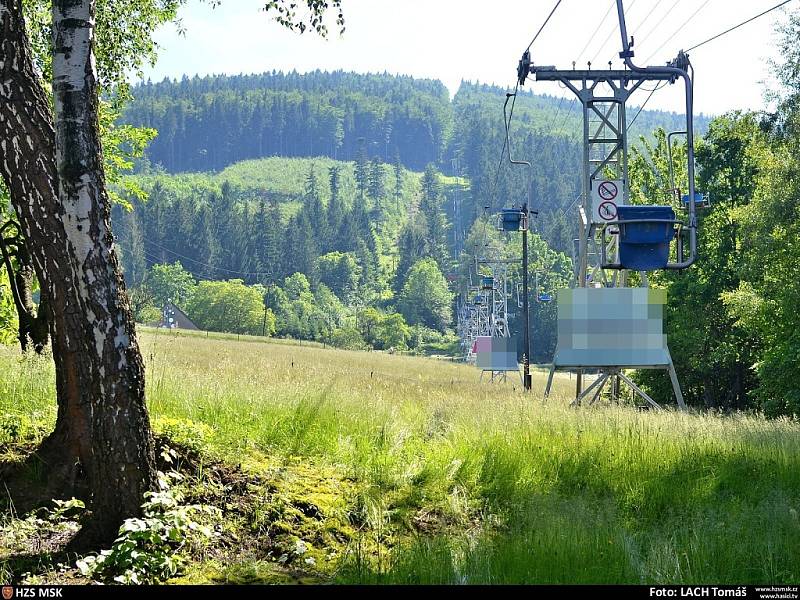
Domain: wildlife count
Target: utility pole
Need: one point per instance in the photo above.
(526, 360)
(524, 223)
(264, 322)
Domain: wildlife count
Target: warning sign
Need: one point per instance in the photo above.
(606, 196)
(607, 210)
(608, 190)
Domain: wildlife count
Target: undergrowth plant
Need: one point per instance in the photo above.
(156, 546)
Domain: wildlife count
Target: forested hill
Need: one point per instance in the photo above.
(208, 123)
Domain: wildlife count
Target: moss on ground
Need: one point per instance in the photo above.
(283, 520)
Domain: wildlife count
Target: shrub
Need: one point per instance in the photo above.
(154, 547)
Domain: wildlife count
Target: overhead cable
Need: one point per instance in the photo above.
(543, 25)
(613, 31)
(739, 25)
(641, 108)
(599, 25)
(679, 29)
(198, 262)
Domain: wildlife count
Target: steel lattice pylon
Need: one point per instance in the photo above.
(483, 309)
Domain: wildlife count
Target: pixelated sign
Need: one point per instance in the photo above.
(496, 354)
(599, 327)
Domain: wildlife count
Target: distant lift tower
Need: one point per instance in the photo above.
(496, 353)
(483, 319)
(602, 329)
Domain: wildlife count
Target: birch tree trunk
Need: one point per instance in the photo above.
(57, 186)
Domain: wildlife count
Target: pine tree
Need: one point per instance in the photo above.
(398, 180)
(274, 261)
(156, 223)
(361, 171)
(335, 212)
(349, 233)
(133, 255)
(368, 261)
(435, 219)
(376, 183)
(303, 248)
(241, 242)
(412, 246)
(260, 236)
(312, 206)
(559, 234)
(208, 247)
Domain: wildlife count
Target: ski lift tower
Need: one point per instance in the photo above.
(604, 326)
(494, 288)
(496, 351)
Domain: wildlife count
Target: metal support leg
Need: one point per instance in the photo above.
(638, 390)
(676, 386)
(586, 392)
(599, 390)
(549, 381)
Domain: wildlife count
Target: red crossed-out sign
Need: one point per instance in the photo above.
(608, 190)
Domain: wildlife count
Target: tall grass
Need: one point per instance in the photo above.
(479, 482)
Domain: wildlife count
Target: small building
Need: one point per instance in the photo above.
(173, 317)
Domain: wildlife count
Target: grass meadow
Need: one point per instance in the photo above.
(426, 475)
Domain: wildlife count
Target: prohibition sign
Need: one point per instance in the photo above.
(607, 210)
(607, 190)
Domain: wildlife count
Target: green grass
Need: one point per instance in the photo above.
(457, 481)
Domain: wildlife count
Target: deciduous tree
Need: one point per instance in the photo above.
(52, 164)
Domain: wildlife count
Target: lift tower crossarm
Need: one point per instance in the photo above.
(508, 261)
(550, 73)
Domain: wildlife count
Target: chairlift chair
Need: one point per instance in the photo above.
(510, 219)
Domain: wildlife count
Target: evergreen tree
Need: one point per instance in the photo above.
(398, 180)
(335, 210)
(559, 234)
(362, 172)
(275, 262)
(242, 257)
(207, 246)
(412, 246)
(260, 235)
(376, 180)
(314, 210)
(155, 220)
(368, 261)
(133, 255)
(435, 219)
(349, 234)
(302, 248)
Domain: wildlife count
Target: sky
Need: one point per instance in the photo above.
(482, 40)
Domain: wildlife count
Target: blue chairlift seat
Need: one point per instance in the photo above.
(645, 246)
(699, 199)
(543, 297)
(510, 220)
(487, 283)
